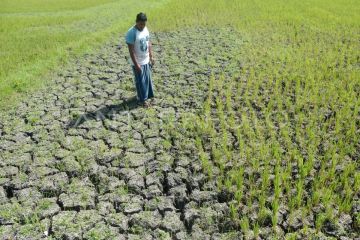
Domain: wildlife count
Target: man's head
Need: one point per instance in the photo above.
(141, 21)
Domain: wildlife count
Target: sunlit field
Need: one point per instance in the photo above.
(39, 36)
(258, 110)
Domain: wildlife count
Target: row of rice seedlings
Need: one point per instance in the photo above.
(244, 129)
(276, 153)
(243, 132)
(229, 105)
(220, 149)
(204, 158)
(207, 104)
(240, 129)
(235, 180)
(205, 128)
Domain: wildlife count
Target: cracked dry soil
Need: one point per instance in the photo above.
(82, 161)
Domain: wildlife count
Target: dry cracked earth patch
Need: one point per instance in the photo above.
(82, 161)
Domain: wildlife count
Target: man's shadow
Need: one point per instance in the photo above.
(105, 112)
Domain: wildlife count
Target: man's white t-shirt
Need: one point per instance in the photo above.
(140, 40)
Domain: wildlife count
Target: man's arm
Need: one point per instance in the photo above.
(132, 55)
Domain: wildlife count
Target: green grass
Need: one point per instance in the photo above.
(38, 36)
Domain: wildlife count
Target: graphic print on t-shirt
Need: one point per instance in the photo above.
(143, 44)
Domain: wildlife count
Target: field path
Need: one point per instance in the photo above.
(82, 161)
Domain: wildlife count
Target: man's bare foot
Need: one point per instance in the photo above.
(147, 104)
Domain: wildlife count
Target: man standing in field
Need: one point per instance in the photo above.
(138, 41)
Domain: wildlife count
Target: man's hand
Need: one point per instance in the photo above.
(138, 68)
(152, 61)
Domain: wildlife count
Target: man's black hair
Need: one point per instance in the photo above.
(141, 17)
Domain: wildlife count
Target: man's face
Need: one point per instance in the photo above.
(140, 25)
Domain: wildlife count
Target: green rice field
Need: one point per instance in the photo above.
(254, 132)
